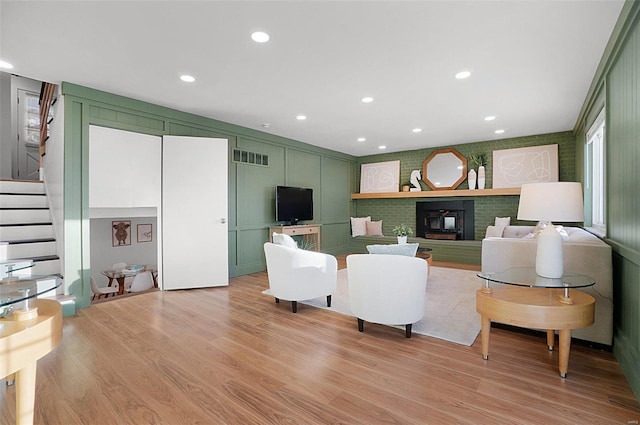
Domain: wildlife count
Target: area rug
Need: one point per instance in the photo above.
(450, 310)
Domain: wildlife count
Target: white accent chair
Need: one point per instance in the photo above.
(298, 275)
(387, 289)
(102, 290)
(142, 281)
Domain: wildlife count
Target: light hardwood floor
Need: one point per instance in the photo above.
(233, 356)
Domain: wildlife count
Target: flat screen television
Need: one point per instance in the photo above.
(294, 204)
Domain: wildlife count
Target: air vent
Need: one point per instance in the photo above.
(247, 157)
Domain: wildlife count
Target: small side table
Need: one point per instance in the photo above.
(425, 254)
(531, 301)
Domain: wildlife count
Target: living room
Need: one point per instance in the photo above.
(334, 176)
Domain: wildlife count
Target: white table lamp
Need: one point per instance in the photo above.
(544, 202)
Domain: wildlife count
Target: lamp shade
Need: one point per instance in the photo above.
(552, 201)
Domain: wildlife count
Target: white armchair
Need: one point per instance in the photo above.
(297, 274)
(387, 289)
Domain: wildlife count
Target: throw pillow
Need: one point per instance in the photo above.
(494, 231)
(503, 221)
(359, 226)
(374, 228)
(408, 249)
(286, 240)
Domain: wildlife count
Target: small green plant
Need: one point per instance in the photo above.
(402, 230)
(306, 245)
(478, 159)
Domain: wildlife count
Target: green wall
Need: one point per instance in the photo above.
(251, 187)
(396, 211)
(616, 87)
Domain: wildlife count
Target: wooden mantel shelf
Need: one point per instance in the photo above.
(439, 193)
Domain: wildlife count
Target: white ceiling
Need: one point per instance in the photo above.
(532, 63)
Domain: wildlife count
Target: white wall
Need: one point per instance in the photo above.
(54, 175)
(104, 255)
(124, 169)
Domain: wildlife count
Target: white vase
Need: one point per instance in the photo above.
(481, 177)
(402, 239)
(471, 176)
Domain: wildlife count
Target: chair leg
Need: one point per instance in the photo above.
(328, 300)
(294, 306)
(408, 331)
(277, 300)
(360, 325)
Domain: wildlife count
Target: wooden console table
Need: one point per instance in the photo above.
(310, 233)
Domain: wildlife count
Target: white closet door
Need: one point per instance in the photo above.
(194, 212)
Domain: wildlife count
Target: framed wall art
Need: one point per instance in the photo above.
(121, 233)
(380, 177)
(535, 164)
(145, 233)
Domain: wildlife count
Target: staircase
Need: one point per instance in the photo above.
(27, 231)
(25, 224)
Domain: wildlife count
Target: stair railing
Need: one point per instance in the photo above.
(47, 92)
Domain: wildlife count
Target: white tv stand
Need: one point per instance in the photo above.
(310, 233)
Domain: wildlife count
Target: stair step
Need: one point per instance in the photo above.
(31, 249)
(45, 258)
(18, 231)
(24, 241)
(23, 200)
(21, 186)
(13, 216)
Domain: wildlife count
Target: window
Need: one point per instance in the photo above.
(595, 169)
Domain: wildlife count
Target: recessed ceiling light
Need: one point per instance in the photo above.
(417, 130)
(301, 117)
(260, 37)
(382, 147)
(489, 118)
(5, 65)
(462, 75)
(266, 125)
(499, 131)
(187, 78)
(367, 99)
(362, 139)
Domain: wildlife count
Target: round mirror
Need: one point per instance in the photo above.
(444, 169)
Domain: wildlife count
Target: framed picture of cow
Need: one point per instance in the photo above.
(121, 233)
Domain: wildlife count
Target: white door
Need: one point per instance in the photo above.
(28, 136)
(194, 212)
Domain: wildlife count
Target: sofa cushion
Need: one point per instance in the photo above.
(286, 240)
(408, 249)
(502, 221)
(374, 228)
(359, 226)
(494, 231)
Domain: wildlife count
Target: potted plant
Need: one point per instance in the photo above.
(402, 231)
(406, 186)
(479, 159)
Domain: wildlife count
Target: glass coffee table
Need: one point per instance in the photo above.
(527, 300)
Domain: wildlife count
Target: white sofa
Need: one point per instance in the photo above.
(583, 253)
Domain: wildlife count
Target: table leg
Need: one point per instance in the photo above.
(564, 347)
(486, 329)
(551, 336)
(25, 394)
(120, 285)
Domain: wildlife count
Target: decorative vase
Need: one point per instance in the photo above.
(406, 188)
(402, 239)
(472, 179)
(481, 177)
